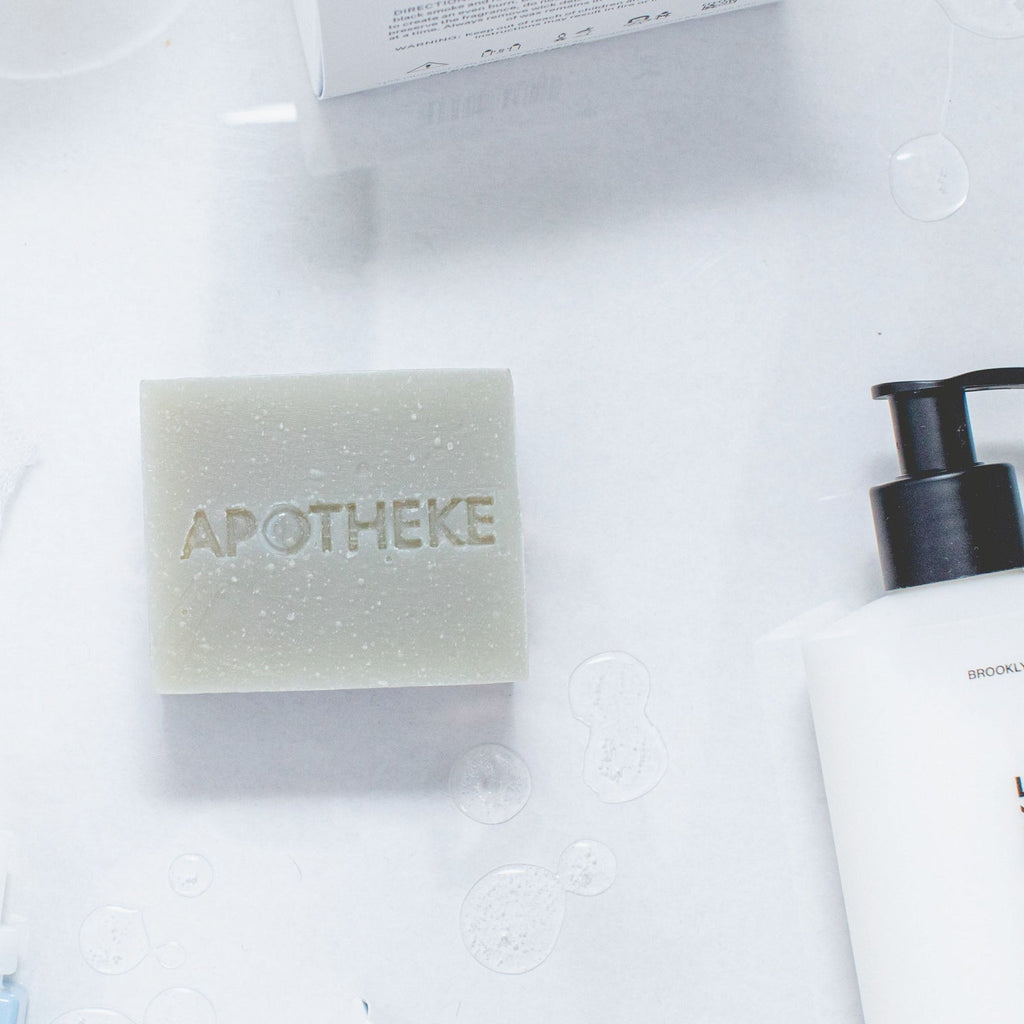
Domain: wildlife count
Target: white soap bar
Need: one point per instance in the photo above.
(333, 531)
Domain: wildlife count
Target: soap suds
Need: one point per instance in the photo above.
(114, 940)
(511, 918)
(490, 783)
(586, 868)
(625, 756)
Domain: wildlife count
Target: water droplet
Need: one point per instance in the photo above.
(511, 918)
(450, 446)
(625, 756)
(586, 867)
(316, 474)
(55, 38)
(113, 940)
(929, 178)
(997, 19)
(490, 783)
(92, 1016)
(191, 874)
(171, 955)
(180, 1006)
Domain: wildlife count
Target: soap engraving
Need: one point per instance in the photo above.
(200, 535)
(462, 521)
(241, 525)
(438, 522)
(378, 524)
(403, 522)
(324, 510)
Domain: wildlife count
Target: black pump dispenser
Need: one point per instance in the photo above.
(948, 516)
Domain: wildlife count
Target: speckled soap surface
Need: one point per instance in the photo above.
(333, 531)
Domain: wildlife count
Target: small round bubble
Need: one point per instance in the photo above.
(180, 1006)
(490, 783)
(586, 868)
(190, 875)
(928, 177)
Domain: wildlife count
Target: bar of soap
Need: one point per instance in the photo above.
(333, 531)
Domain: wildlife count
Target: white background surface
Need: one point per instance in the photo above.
(684, 245)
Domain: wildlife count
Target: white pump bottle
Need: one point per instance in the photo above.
(918, 704)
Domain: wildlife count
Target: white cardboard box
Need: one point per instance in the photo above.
(352, 45)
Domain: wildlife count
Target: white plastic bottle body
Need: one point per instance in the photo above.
(918, 704)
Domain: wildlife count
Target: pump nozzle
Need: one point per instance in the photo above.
(8, 934)
(948, 516)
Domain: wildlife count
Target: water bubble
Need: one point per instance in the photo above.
(113, 940)
(55, 38)
(586, 867)
(180, 1006)
(190, 875)
(511, 918)
(490, 783)
(171, 955)
(286, 529)
(997, 19)
(92, 1016)
(929, 178)
(625, 756)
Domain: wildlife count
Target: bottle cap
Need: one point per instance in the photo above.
(948, 516)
